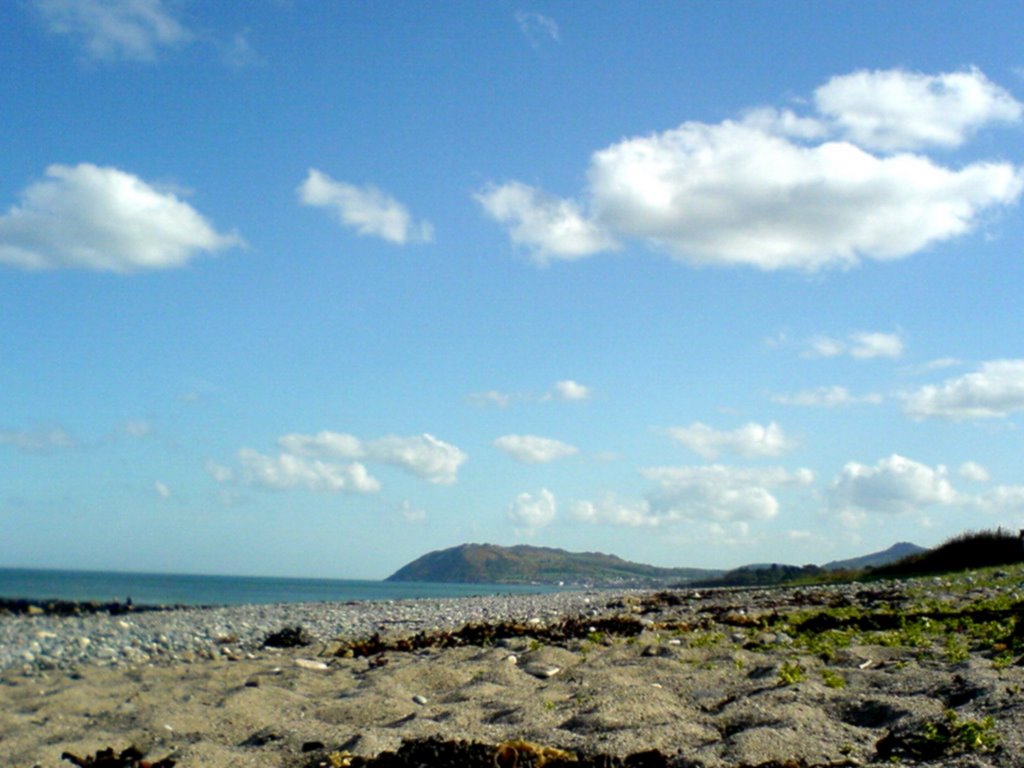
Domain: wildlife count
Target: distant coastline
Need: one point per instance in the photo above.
(199, 590)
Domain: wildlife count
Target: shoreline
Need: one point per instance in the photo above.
(924, 671)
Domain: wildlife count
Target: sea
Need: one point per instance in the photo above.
(195, 590)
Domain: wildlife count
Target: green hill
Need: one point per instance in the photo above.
(523, 564)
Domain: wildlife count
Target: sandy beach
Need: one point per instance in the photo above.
(916, 672)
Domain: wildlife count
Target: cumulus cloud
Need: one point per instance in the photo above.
(337, 445)
(42, 440)
(101, 218)
(336, 461)
(570, 390)
(529, 512)
(720, 493)
(827, 397)
(531, 449)
(766, 191)
(115, 29)
(994, 391)
(423, 455)
(863, 345)
(751, 439)
(894, 110)
(715, 494)
(971, 470)
(286, 471)
(551, 228)
(367, 210)
(612, 510)
(893, 485)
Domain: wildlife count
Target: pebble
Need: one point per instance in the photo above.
(542, 671)
(36, 642)
(421, 700)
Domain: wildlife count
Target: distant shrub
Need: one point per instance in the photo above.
(971, 549)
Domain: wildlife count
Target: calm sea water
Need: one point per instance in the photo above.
(173, 589)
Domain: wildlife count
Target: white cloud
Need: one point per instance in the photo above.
(528, 512)
(932, 365)
(863, 345)
(115, 29)
(366, 209)
(611, 510)
(566, 390)
(1001, 500)
(219, 472)
(973, 471)
(287, 470)
(570, 390)
(537, 28)
(827, 397)
(411, 513)
(758, 192)
(892, 110)
(824, 346)
(43, 440)
(550, 227)
(491, 397)
(92, 217)
(749, 440)
(994, 391)
(336, 445)
(719, 493)
(162, 490)
(715, 494)
(531, 449)
(423, 455)
(893, 485)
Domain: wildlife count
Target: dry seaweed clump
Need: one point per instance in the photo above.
(483, 634)
(126, 758)
(438, 753)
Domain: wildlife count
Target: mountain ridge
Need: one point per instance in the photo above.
(472, 563)
(524, 564)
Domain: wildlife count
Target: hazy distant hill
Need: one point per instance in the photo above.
(760, 574)
(891, 555)
(491, 564)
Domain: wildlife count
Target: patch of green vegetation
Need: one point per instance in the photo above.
(791, 673)
(956, 649)
(597, 638)
(825, 644)
(833, 679)
(954, 735)
(1003, 661)
(704, 639)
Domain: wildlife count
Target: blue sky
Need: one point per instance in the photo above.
(297, 288)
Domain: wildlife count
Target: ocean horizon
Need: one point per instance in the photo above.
(200, 590)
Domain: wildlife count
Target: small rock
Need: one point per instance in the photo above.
(311, 664)
(542, 671)
(421, 700)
